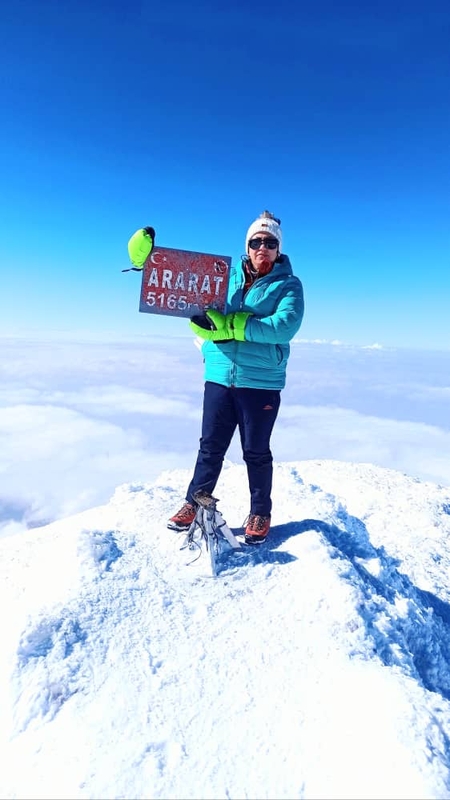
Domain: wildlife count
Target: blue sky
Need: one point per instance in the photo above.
(194, 118)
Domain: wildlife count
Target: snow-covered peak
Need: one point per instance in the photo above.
(315, 665)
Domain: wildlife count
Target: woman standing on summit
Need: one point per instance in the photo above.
(245, 354)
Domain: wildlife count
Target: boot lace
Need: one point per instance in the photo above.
(186, 511)
(257, 523)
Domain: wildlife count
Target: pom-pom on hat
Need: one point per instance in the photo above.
(266, 223)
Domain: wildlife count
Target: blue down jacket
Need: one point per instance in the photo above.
(276, 304)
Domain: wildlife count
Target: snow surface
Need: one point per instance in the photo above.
(313, 666)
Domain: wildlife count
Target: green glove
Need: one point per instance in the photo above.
(140, 246)
(221, 326)
(239, 322)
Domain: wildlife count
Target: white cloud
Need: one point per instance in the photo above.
(55, 461)
(79, 418)
(108, 399)
(337, 433)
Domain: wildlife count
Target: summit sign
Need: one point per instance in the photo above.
(183, 283)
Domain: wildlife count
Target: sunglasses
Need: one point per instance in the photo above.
(255, 244)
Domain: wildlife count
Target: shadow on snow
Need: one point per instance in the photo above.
(409, 627)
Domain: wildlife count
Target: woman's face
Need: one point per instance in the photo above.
(262, 258)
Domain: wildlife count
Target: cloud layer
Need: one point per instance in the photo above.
(80, 418)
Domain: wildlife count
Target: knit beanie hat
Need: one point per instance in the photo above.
(266, 223)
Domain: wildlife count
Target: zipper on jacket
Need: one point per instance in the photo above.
(233, 376)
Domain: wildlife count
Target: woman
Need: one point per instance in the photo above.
(245, 354)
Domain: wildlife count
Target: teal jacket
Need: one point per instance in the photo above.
(276, 304)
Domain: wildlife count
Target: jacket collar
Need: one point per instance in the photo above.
(282, 267)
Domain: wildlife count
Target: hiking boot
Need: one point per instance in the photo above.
(257, 529)
(183, 519)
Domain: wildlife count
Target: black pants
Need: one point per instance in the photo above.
(254, 412)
